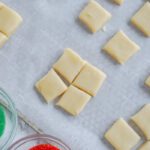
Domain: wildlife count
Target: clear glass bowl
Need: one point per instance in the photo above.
(11, 120)
(33, 140)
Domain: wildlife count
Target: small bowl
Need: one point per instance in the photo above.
(33, 140)
(11, 120)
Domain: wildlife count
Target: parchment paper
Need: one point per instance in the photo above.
(50, 26)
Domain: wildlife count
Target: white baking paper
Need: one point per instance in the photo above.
(49, 26)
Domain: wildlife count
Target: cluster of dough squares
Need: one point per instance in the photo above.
(123, 137)
(84, 80)
(9, 21)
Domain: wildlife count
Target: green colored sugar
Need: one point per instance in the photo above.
(2, 120)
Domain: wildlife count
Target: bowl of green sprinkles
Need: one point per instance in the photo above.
(8, 120)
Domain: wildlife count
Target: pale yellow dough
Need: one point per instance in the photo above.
(142, 120)
(142, 19)
(69, 65)
(90, 79)
(145, 146)
(94, 16)
(122, 136)
(120, 47)
(51, 86)
(74, 100)
(147, 81)
(119, 2)
(9, 20)
(3, 39)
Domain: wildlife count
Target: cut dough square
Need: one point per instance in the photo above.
(74, 100)
(120, 47)
(145, 146)
(142, 120)
(94, 16)
(142, 19)
(3, 39)
(9, 19)
(122, 136)
(147, 82)
(90, 79)
(51, 86)
(119, 2)
(69, 65)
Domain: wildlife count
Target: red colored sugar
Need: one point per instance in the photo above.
(44, 147)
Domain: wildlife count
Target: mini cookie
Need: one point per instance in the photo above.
(147, 81)
(94, 16)
(90, 79)
(51, 86)
(119, 2)
(74, 100)
(120, 47)
(121, 136)
(69, 65)
(9, 20)
(142, 19)
(142, 120)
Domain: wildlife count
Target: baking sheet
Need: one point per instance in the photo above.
(50, 26)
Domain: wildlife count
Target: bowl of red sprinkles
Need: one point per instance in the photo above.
(39, 142)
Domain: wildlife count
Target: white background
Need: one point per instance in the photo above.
(50, 26)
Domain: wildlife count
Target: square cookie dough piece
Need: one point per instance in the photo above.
(9, 20)
(74, 100)
(142, 120)
(90, 79)
(51, 86)
(121, 136)
(142, 19)
(145, 146)
(119, 2)
(3, 39)
(69, 65)
(120, 47)
(147, 81)
(94, 16)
